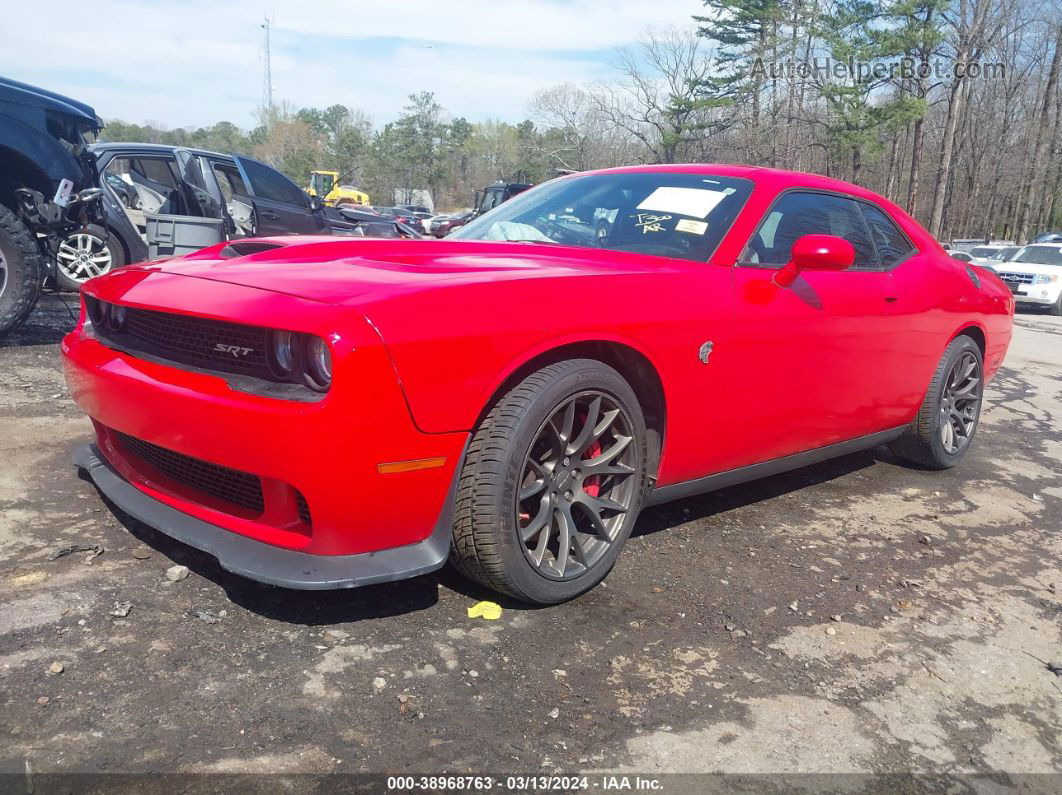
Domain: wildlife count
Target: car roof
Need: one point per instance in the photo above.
(778, 177)
(1041, 245)
(160, 149)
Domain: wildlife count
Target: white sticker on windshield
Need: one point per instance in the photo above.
(693, 227)
(695, 202)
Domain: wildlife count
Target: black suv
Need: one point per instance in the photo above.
(49, 188)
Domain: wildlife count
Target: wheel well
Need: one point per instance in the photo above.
(112, 232)
(978, 336)
(16, 171)
(635, 368)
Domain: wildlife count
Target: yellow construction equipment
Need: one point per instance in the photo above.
(326, 185)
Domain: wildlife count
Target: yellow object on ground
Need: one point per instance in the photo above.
(489, 610)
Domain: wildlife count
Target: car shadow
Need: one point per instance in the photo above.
(705, 506)
(310, 608)
(322, 608)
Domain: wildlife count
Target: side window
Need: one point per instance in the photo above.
(800, 213)
(891, 243)
(230, 181)
(268, 183)
(152, 181)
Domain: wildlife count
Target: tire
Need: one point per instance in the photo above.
(103, 248)
(21, 271)
(1056, 307)
(952, 398)
(510, 444)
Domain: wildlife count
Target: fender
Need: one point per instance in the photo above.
(546, 346)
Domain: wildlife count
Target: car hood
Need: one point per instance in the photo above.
(338, 270)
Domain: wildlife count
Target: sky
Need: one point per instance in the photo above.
(188, 63)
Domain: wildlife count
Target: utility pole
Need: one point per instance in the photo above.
(267, 87)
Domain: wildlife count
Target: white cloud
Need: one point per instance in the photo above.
(199, 62)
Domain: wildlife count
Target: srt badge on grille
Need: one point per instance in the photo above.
(235, 350)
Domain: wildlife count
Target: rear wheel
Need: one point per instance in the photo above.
(21, 270)
(947, 421)
(552, 484)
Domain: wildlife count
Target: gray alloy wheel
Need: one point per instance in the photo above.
(577, 483)
(960, 403)
(551, 484)
(947, 420)
(82, 255)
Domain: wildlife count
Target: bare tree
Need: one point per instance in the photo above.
(665, 103)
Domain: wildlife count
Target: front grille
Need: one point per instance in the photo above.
(231, 485)
(1021, 278)
(200, 342)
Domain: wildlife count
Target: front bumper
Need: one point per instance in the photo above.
(331, 474)
(1039, 294)
(265, 562)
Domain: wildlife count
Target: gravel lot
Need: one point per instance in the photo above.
(856, 616)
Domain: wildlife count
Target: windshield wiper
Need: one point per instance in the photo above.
(533, 240)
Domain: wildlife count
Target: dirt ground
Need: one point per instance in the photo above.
(853, 617)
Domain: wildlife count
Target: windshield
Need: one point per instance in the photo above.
(983, 251)
(1040, 255)
(661, 214)
(1005, 254)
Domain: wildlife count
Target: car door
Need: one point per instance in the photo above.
(281, 207)
(817, 357)
(239, 203)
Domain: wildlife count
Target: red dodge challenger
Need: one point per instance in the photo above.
(319, 413)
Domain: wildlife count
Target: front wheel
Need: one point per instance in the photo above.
(552, 484)
(944, 428)
(86, 253)
(21, 270)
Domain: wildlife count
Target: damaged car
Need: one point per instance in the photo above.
(48, 190)
(178, 200)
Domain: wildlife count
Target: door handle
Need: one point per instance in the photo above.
(271, 216)
(890, 299)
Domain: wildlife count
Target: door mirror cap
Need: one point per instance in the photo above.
(816, 253)
(316, 203)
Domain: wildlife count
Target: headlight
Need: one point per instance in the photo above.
(1045, 278)
(115, 317)
(94, 308)
(282, 352)
(318, 363)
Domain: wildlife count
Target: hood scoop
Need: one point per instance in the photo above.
(243, 248)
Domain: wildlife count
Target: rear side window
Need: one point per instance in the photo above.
(891, 243)
(800, 213)
(270, 184)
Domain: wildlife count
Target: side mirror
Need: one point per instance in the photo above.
(816, 253)
(316, 203)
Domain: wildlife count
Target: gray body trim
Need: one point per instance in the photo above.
(265, 562)
(775, 466)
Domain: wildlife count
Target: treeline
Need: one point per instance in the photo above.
(951, 108)
(423, 148)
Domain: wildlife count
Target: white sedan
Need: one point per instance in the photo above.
(1034, 275)
(992, 256)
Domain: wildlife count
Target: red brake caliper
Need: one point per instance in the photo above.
(592, 484)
